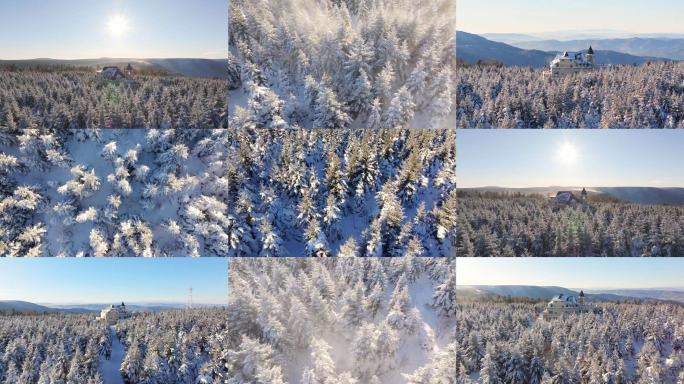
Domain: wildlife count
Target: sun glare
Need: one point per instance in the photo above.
(118, 25)
(567, 153)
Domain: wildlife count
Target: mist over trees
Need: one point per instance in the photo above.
(504, 225)
(340, 64)
(340, 321)
(627, 343)
(83, 99)
(198, 192)
(645, 96)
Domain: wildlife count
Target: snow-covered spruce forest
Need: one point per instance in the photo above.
(500, 342)
(78, 98)
(504, 225)
(340, 321)
(199, 192)
(341, 63)
(174, 347)
(646, 96)
(177, 346)
(52, 349)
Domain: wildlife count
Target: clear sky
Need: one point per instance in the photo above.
(79, 29)
(570, 157)
(530, 16)
(584, 272)
(83, 281)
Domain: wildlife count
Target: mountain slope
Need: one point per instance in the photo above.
(471, 48)
(23, 306)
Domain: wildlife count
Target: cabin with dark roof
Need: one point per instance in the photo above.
(566, 198)
(112, 73)
(561, 305)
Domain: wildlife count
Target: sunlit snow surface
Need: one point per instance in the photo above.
(110, 367)
(178, 192)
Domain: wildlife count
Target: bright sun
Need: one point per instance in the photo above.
(567, 153)
(118, 25)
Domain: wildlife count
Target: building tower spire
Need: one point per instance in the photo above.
(590, 55)
(189, 304)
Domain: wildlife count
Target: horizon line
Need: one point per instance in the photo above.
(137, 302)
(114, 58)
(567, 186)
(560, 286)
(575, 30)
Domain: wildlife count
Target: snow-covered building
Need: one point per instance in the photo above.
(112, 73)
(562, 305)
(114, 313)
(566, 198)
(572, 62)
(570, 199)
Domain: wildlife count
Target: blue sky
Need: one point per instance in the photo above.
(587, 272)
(105, 280)
(575, 157)
(529, 16)
(76, 29)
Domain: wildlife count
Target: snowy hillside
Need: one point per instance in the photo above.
(175, 347)
(195, 192)
(76, 98)
(341, 321)
(625, 343)
(52, 349)
(491, 224)
(644, 96)
(339, 64)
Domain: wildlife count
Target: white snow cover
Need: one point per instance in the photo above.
(221, 192)
(110, 367)
(504, 340)
(342, 320)
(507, 225)
(341, 64)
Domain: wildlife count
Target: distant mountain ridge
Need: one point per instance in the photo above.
(670, 48)
(640, 195)
(547, 292)
(471, 48)
(191, 67)
(25, 306)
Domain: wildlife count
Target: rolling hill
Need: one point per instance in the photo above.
(471, 48)
(25, 306)
(204, 68)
